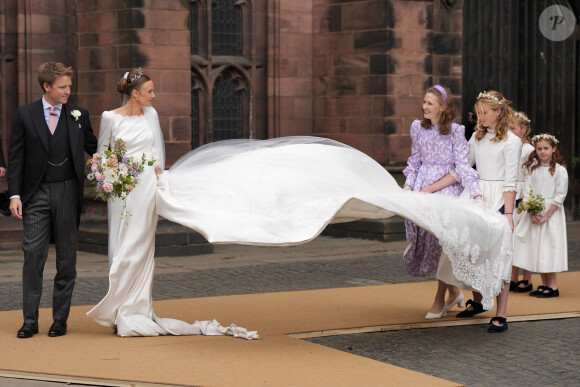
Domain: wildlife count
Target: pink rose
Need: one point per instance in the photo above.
(94, 168)
(129, 187)
(99, 176)
(108, 187)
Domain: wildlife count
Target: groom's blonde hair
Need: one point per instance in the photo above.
(49, 72)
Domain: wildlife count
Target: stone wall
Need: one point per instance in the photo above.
(31, 32)
(290, 67)
(115, 36)
(373, 61)
(353, 70)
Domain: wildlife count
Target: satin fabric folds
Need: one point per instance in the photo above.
(285, 191)
(128, 305)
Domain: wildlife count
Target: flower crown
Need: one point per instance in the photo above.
(483, 94)
(522, 117)
(544, 136)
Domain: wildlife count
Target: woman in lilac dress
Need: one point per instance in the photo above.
(439, 151)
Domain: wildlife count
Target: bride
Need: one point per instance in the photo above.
(128, 305)
(281, 191)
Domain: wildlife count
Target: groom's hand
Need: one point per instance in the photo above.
(16, 207)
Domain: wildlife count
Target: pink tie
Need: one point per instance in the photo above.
(52, 119)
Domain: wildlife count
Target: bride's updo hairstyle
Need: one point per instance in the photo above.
(133, 80)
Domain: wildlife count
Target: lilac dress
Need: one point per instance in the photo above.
(433, 155)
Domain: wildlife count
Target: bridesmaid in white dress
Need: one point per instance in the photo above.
(540, 242)
(521, 127)
(128, 305)
(496, 153)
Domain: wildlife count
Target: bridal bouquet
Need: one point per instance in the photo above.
(533, 204)
(115, 175)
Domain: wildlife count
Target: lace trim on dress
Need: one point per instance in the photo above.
(480, 268)
(509, 189)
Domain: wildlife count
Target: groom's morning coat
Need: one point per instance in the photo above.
(28, 155)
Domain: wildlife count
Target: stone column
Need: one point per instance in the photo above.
(290, 73)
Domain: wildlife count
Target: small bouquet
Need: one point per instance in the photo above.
(114, 174)
(533, 204)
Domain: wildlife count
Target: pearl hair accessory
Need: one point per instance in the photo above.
(134, 77)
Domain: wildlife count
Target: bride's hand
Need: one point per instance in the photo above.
(158, 172)
(407, 188)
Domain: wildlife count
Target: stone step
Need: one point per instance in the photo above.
(172, 240)
(386, 230)
(175, 240)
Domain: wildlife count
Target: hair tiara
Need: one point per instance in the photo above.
(544, 136)
(441, 90)
(486, 95)
(522, 117)
(138, 75)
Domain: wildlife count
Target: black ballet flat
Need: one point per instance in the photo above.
(549, 293)
(538, 291)
(477, 309)
(522, 289)
(497, 328)
(513, 286)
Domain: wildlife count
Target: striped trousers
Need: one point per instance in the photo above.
(50, 212)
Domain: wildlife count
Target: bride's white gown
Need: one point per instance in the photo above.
(281, 191)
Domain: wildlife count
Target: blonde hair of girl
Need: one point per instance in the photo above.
(524, 121)
(495, 101)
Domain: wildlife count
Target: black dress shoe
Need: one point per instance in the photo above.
(27, 330)
(58, 328)
(477, 309)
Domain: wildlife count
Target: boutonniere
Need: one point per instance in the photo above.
(76, 114)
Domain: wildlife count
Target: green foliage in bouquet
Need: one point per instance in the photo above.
(533, 203)
(115, 175)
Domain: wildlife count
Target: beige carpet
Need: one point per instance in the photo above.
(91, 351)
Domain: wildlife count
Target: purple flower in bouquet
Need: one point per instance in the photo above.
(113, 178)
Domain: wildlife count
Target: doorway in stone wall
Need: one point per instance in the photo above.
(505, 48)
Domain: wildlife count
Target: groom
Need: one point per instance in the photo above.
(45, 184)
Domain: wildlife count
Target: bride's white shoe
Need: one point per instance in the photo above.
(459, 300)
(430, 316)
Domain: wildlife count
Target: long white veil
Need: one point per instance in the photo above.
(285, 191)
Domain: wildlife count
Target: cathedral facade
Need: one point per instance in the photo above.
(354, 71)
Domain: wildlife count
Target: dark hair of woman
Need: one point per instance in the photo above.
(132, 81)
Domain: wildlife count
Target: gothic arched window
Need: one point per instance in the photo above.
(226, 27)
(227, 108)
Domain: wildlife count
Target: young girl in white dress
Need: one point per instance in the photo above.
(540, 240)
(496, 153)
(520, 125)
